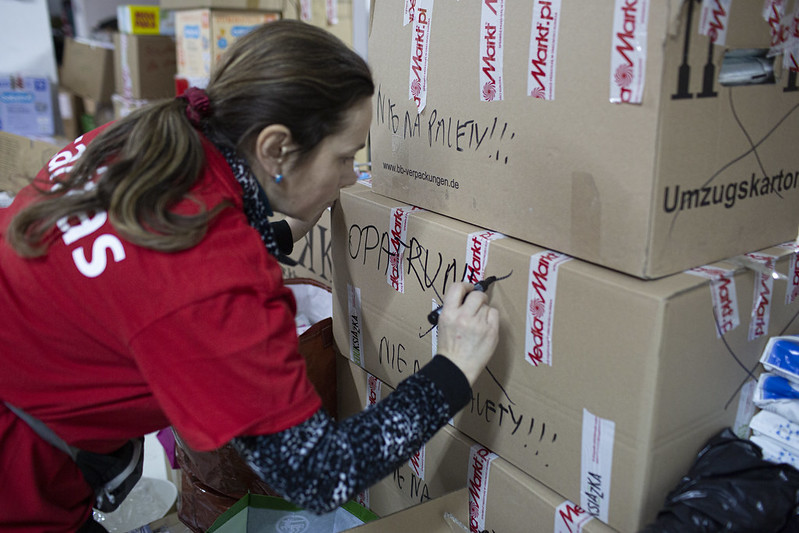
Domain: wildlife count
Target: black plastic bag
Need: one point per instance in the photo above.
(730, 487)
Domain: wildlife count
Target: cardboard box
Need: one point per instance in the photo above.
(312, 253)
(89, 14)
(203, 35)
(21, 158)
(434, 516)
(144, 66)
(695, 173)
(88, 69)
(26, 105)
(582, 348)
(512, 500)
(70, 106)
(259, 5)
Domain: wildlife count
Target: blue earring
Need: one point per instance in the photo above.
(278, 178)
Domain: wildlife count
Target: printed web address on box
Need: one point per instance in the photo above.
(422, 175)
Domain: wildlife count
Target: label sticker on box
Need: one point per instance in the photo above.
(628, 51)
(492, 28)
(714, 20)
(763, 295)
(356, 330)
(477, 254)
(596, 464)
(542, 286)
(543, 49)
(420, 53)
(571, 518)
(723, 296)
(477, 482)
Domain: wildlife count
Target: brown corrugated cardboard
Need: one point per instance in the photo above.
(694, 173)
(259, 5)
(582, 348)
(312, 253)
(144, 66)
(434, 516)
(203, 35)
(88, 69)
(21, 158)
(513, 500)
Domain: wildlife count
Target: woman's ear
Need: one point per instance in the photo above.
(271, 146)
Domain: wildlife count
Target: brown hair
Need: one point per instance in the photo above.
(285, 72)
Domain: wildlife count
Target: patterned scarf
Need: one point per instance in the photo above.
(256, 204)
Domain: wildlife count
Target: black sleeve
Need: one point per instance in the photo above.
(321, 464)
(285, 240)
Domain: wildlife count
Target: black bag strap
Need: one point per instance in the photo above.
(111, 476)
(44, 431)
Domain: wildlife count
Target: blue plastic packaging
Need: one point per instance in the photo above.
(781, 356)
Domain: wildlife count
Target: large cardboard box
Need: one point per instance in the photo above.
(88, 69)
(604, 386)
(144, 66)
(695, 172)
(21, 158)
(203, 35)
(510, 499)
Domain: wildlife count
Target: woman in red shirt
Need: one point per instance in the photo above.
(139, 289)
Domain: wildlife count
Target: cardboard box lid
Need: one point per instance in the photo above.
(446, 514)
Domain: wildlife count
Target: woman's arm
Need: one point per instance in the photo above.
(320, 464)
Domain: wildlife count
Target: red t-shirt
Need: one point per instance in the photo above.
(104, 341)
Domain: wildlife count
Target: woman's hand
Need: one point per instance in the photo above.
(468, 330)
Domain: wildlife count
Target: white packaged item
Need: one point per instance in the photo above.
(776, 394)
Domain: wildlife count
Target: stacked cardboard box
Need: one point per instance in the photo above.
(662, 160)
(604, 386)
(509, 497)
(87, 75)
(700, 167)
(145, 60)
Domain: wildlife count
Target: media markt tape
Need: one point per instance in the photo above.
(543, 58)
(477, 254)
(541, 291)
(398, 221)
(420, 53)
(792, 291)
(723, 295)
(492, 29)
(477, 483)
(628, 52)
(761, 300)
(714, 20)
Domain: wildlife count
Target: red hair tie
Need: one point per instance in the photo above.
(199, 105)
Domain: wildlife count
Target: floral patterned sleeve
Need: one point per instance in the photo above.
(320, 464)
